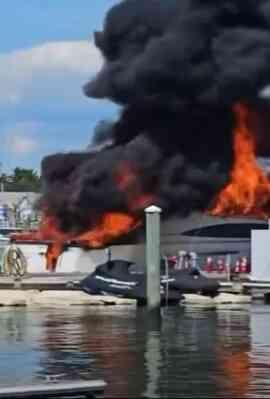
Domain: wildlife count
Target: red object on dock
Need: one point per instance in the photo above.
(237, 266)
(209, 265)
(244, 265)
(220, 266)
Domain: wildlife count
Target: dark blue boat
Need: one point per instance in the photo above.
(124, 279)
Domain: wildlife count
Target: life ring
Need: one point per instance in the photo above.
(14, 262)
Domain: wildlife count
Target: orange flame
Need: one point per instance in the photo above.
(128, 182)
(53, 252)
(248, 192)
(110, 226)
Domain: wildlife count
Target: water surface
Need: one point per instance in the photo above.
(199, 354)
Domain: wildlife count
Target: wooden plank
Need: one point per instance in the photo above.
(80, 388)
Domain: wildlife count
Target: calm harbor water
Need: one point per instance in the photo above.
(198, 354)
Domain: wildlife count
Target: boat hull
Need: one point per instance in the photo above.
(200, 233)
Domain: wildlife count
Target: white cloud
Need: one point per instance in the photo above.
(21, 139)
(49, 69)
(22, 144)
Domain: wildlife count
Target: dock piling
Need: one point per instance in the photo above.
(153, 258)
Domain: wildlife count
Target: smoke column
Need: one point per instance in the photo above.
(176, 67)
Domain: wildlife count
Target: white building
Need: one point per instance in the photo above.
(16, 207)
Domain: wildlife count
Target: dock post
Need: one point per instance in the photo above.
(153, 258)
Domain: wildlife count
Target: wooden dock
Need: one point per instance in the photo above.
(82, 389)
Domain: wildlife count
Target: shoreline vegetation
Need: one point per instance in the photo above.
(20, 180)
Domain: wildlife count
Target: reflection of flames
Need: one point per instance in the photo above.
(110, 226)
(248, 192)
(236, 367)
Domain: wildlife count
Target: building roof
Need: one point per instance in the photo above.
(13, 198)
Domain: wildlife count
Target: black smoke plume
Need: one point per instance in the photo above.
(176, 67)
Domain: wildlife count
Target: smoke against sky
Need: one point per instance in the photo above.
(176, 68)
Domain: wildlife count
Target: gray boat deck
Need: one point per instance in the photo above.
(83, 389)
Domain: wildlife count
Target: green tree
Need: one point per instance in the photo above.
(21, 180)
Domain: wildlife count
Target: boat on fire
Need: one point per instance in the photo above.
(200, 233)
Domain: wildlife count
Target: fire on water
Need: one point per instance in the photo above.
(248, 191)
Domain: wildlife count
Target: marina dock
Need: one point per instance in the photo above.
(82, 389)
(60, 290)
(41, 281)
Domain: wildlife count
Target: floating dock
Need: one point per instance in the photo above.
(53, 298)
(41, 281)
(82, 389)
(58, 289)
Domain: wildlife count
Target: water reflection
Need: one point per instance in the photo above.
(152, 356)
(98, 343)
(197, 355)
(233, 353)
(193, 354)
(260, 355)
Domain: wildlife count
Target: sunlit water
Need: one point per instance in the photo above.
(200, 354)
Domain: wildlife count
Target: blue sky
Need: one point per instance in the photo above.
(46, 55)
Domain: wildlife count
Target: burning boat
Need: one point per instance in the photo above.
(203, 234)
(219, 231)
(192, 80)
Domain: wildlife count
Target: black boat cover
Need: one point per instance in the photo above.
(122, 278)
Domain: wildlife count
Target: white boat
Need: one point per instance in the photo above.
(200, 233)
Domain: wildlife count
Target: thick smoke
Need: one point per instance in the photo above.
(176, 67)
